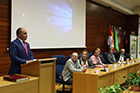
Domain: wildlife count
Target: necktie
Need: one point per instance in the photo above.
(25, 47)
(122, 59)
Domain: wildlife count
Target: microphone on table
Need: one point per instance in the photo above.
(104, 68)
(134, 58)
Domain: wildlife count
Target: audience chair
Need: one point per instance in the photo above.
(69, 56)
(79, 56)
(115, 53)
(105, 57)
(60, 83)
(60, 63)
(89, 55)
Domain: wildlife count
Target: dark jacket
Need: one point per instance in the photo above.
(18, 56)
(89, 63)
(101, 57)
(110, 58)
(117, 56)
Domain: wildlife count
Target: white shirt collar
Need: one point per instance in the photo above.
(21, 41)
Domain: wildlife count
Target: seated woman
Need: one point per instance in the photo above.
(84, 60)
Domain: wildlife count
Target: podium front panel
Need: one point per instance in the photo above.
(45, 70)
(47, 78)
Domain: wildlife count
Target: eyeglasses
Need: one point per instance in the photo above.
(74, 56)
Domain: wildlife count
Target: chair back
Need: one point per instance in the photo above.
(60, 63)
(89, 55)
(116, 53)
(79, 56)
(105, 56)
(69, 56)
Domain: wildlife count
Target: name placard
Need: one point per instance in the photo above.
(122, 64)
(106, 69)
(132, 61)
(96, 71)
(114, 66)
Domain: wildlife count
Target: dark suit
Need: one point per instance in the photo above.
(111, 58)
(117, 56)
(18, 56)
(101, 57)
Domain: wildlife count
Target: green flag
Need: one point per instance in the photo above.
(115, 40)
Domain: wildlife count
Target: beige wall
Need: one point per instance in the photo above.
(136, 10)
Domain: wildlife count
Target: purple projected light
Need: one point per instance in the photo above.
(61, 17)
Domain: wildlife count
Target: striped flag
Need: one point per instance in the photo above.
(115, 40)
(110, 38)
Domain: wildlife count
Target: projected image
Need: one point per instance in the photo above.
(60, 16)
(58, 23)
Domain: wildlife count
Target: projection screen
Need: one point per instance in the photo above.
(50, 23)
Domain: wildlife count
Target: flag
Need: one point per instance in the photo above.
(110, 38)
(115, 40)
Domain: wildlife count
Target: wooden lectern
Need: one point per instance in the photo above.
(45, 70)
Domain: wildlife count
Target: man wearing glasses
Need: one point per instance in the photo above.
(72, 65)
(95, 60)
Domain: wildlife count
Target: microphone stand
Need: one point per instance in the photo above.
(104, 70)
(134, 58)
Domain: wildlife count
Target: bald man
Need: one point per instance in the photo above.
(121, 56)
(72, 65)
(19, 52)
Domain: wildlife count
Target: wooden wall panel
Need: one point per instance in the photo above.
(98, 19)
(5, 7)
(132, 25)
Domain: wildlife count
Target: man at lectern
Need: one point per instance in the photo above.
(72, 65)
(19, 52)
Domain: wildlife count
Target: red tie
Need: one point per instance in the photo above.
(25, 47)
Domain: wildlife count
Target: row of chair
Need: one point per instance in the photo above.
(79, 56)
(105, 56)
(60, 63)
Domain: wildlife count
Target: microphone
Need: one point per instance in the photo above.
(104, 68)
(134, 58)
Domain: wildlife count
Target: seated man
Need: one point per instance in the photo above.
(95, 60)
(101, 56)
(72, 65)
(121, 56)
(110, 57)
